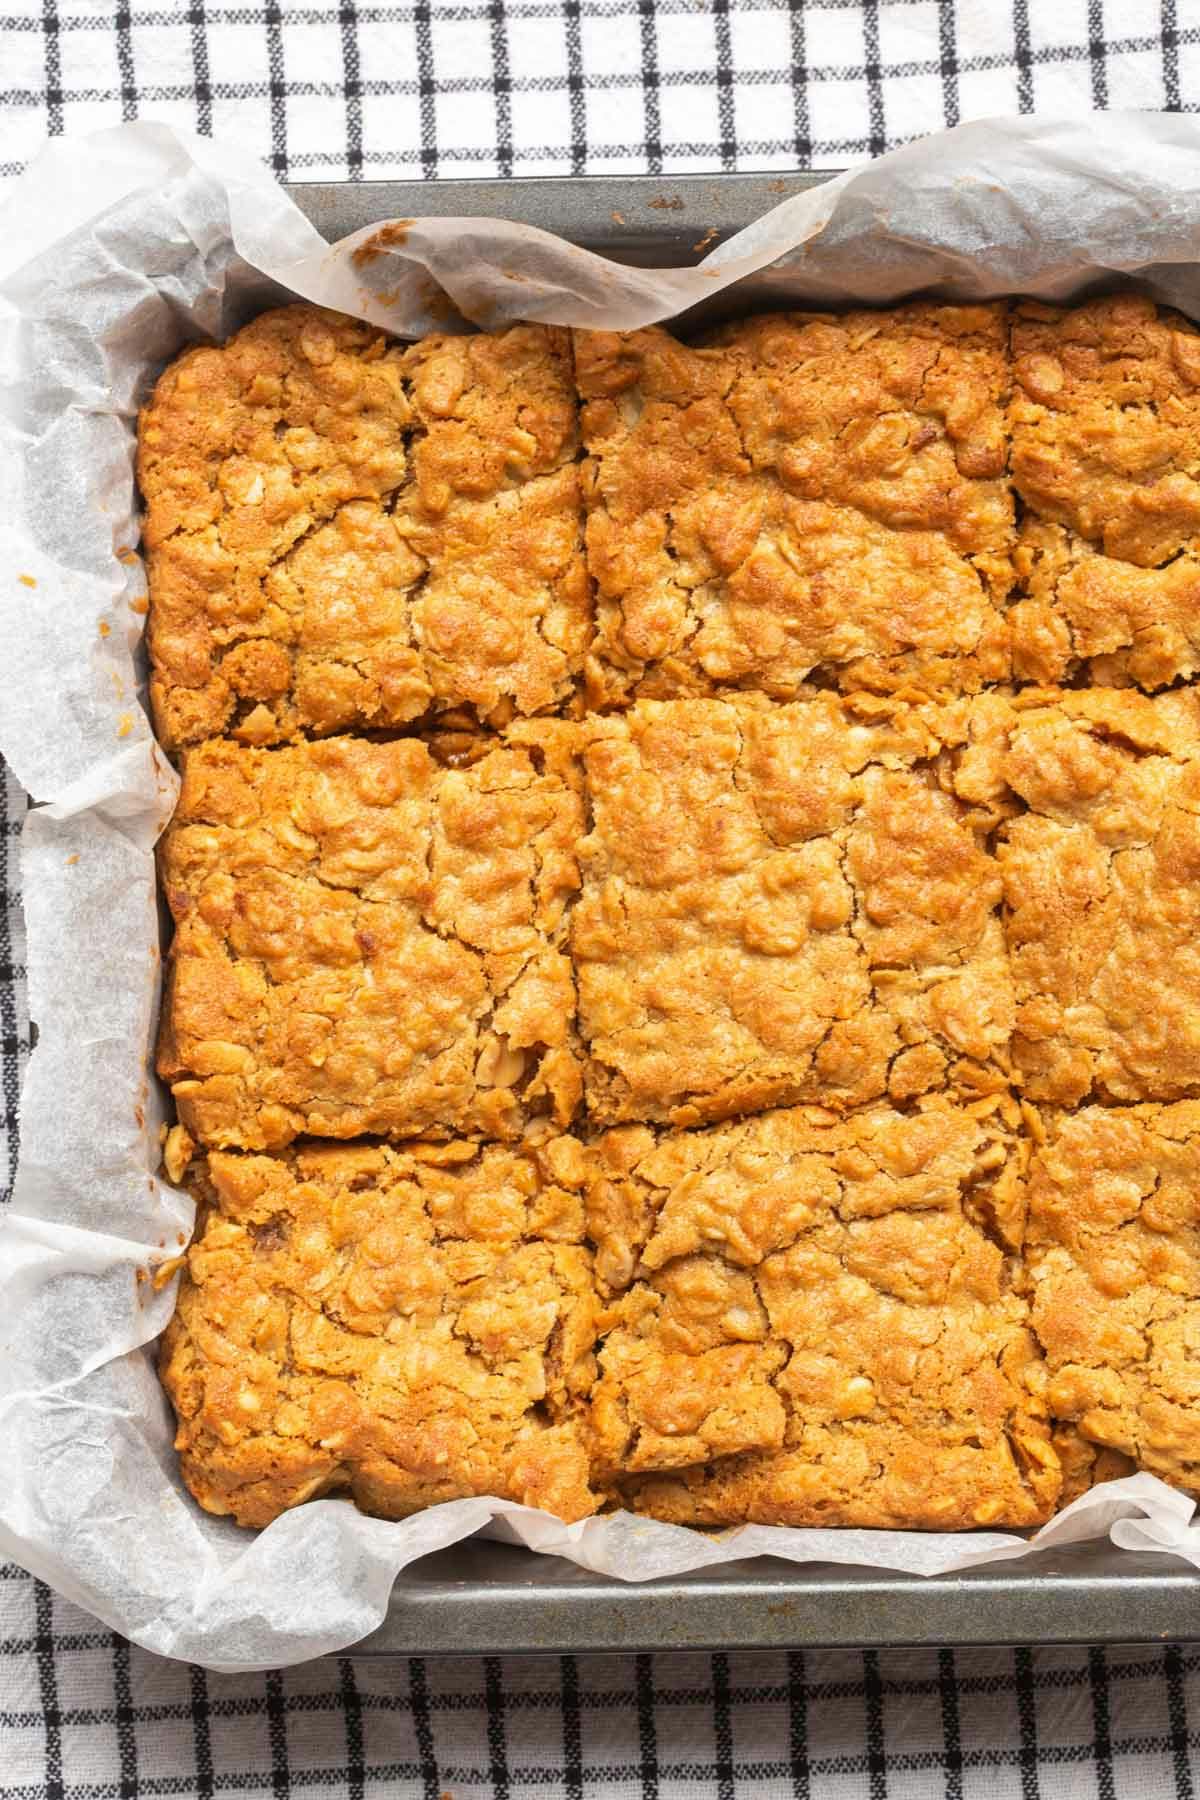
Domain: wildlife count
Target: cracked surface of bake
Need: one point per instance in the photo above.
(1113, 1254)
(344, 532)
(411, 1325)
(1101, 874)
(808, 1324)
(875, 997)
(1105, 421)
(781, 903)
(369, 940)
(805, 490)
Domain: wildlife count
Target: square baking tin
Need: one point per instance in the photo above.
(483, 1596)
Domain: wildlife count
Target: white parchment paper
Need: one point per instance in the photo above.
(114, 251)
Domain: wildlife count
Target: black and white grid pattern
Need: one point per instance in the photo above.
(335, 90)
(536, 87)
(95, 1720)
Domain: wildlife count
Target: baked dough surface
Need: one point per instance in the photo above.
(342, 533)
(803, 491)
(410, 1325)
(811, 1326)
(714, 831)
(782, 903)
(369, 938)
(1105, 422)
(1113, 1256)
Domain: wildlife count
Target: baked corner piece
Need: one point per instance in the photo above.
(1105, 421)
(369, 938)
(409, 1326)
(342, 532)
(784, 903)
(1113, 1258)
(810, 1325)
(803, 491)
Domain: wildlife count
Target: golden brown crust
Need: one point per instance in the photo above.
(1102, 888)
(410, 1325)
(1105, 423)
(369, 941)
(1129, 626)
(924, 932)
(813, 1331)
(781, 903)
(804, 490)
(342, 532)
(1113, 1256)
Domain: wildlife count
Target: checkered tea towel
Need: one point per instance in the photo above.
(557, 87)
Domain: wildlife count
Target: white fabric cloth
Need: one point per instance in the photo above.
(553, 87)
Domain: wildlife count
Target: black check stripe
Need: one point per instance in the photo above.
(575, 86)
(352, 1715)
(201, 83)
(572, 1738)
(276, 89)
(14, 1026)
(649, 83)
(427, 88)
(201, 1734)
(1027, 1724)
(360, 91)
(352, 88)
(502, 89)
(797, 1695)
(802, 141)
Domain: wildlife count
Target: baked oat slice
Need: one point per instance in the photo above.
(1119, 624)
(781, 903)
(802, 491)
(1105, 423)
(811, 1325)
(1101, 870)
(404, 1325)
(342, 532)
(369, 938)
(1113, 1258)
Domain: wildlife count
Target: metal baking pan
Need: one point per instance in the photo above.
(647, 220)
(482, 1596)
